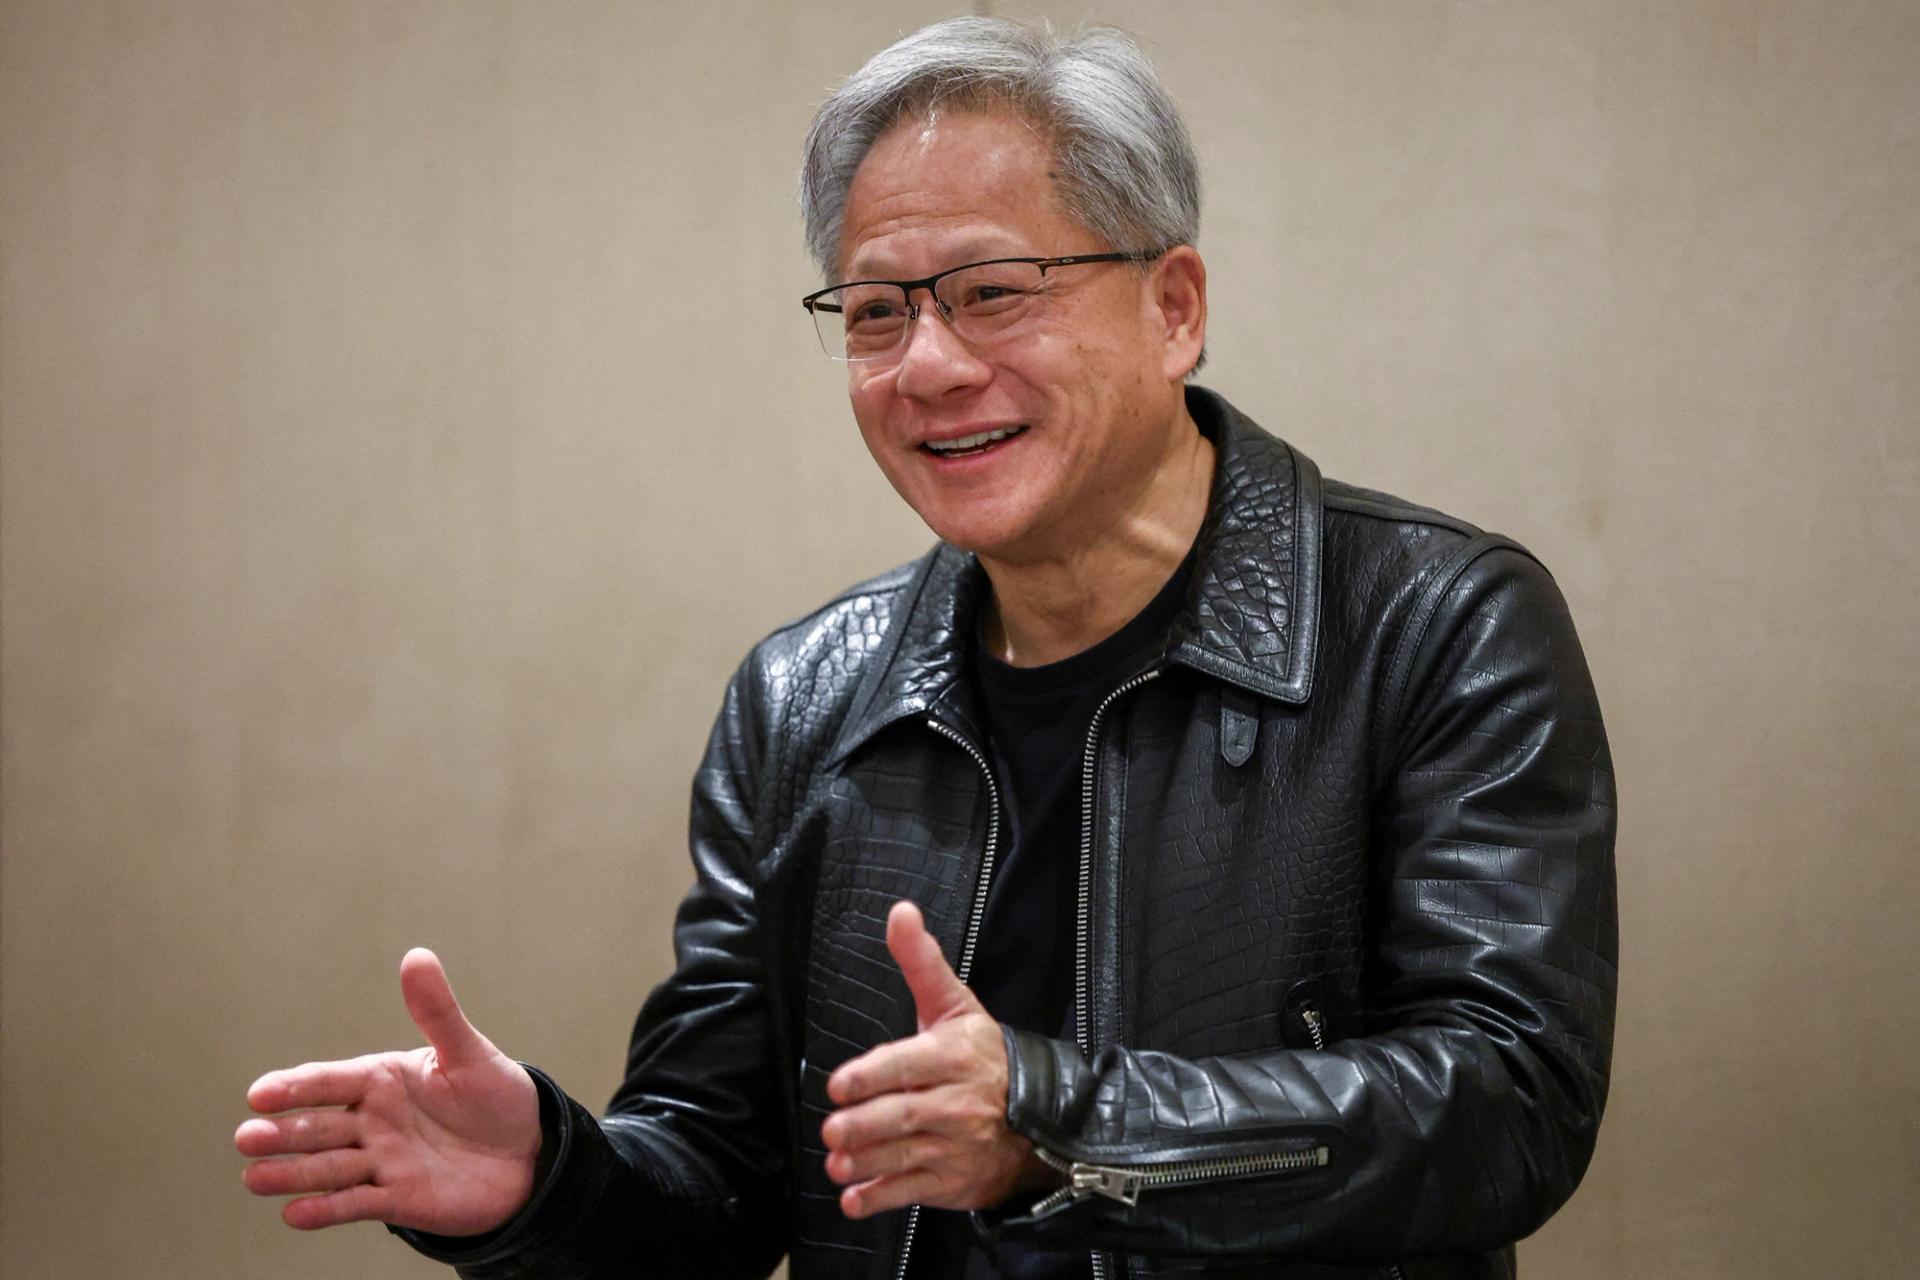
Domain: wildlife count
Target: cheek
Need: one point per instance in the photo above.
(869, 411)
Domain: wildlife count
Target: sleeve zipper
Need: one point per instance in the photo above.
(1124, 1183)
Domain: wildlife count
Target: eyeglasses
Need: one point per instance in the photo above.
(981, 301)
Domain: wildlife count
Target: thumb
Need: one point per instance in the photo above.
(430, 1003)
(937, 993)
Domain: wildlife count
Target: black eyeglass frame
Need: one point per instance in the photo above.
(812, 302)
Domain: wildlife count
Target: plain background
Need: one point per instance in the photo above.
(408, 423)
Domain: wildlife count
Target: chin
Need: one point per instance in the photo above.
(996, 540)
(967, 531)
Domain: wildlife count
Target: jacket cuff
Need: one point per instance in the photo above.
(1043, 1078)
(563, 1182)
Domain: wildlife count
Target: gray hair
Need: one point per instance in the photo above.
(1124, 163)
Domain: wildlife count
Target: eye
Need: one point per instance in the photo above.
(987, 297)
(873, 310)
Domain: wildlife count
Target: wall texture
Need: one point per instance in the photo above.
(406, 423)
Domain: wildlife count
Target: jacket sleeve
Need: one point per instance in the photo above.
(1466, 1112)
(686, 1173)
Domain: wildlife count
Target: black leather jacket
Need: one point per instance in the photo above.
(1346, 932)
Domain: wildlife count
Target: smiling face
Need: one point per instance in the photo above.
(1084, 398)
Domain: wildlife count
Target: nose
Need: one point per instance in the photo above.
(935, 362)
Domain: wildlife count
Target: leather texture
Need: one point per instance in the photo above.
(1350, 885)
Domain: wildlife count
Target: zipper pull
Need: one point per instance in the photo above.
(1094, 1179)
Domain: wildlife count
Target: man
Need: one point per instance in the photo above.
(1189, 865)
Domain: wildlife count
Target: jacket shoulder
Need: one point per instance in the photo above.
(1352, 502)
(860, 610)
(1374, 536)
(1383, 553)
(1402, 578)
(802, 676)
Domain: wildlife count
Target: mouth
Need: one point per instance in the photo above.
(973, 445)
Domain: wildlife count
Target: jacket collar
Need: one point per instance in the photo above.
(1252, 615)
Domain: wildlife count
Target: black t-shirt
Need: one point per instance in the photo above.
(1037, 721)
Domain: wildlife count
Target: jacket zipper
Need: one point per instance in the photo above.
(1083, 928)
(1125, 1182)
(1083, 904)
(975, 916)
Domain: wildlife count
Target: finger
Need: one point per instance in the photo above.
(313, 1084)
(918, 1062)
(916, 1151)
(304, 1131)
(355, 1204)
(864, 1199)
(431, 1005)
(937, 993)
(325, 1171)
(884, 1119)
(945, 1112)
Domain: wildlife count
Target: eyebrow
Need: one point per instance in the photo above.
(977, 248)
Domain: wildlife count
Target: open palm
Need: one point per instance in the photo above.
(441, 1138)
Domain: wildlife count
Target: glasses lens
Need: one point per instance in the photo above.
(984, 301)
(861, 321)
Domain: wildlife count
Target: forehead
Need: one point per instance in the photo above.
(943, 186)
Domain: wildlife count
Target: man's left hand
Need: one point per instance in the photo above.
(924, 1120)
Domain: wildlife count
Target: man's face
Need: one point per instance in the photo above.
(1082, 384)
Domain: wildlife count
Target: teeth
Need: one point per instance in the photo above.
(973, 441)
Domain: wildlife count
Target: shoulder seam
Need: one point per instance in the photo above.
(1407, 513)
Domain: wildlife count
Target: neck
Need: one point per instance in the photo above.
(1052, 607)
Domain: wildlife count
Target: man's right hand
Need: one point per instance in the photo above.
(440, 1139)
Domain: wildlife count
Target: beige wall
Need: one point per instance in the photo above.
(408, 423)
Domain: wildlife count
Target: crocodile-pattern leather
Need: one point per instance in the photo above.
(1369, 791)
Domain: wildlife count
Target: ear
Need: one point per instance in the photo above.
(1180, 290)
